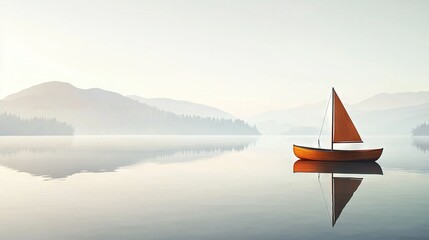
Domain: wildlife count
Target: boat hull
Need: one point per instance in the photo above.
(320, 154)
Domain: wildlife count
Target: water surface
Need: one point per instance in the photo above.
(202, 188)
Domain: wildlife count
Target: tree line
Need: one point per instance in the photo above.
(151, 122)
(11, 124)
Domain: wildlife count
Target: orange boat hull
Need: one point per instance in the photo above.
(320, 154)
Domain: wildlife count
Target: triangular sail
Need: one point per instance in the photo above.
(343, 189)
(343, 127)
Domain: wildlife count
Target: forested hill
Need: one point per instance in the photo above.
(13, 125)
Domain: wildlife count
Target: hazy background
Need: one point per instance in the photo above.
(244, 57)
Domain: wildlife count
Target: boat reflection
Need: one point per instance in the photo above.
(342, 188)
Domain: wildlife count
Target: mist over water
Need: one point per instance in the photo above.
(170, 187)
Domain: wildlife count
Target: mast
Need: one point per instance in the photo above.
(333, 201)
(332, 124)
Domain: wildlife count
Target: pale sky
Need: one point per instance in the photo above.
(244, 57)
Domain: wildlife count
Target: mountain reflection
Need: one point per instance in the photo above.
(421, 143)
(342, 188)
(60, 157)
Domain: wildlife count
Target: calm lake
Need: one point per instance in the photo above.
(170, 187)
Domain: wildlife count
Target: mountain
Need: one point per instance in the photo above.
(183, 107)
(399, 120)
(313, 114)
(290, 121)
(97, 111)
(386, 101)
(386, 113)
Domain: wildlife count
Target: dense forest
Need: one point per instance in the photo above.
(201, 125)
(421, 130)
(145, 120)
(13, 125)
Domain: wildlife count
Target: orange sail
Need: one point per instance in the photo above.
(343, 127)
(343, 189)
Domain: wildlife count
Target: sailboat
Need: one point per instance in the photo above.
(342, 131)
(342, 188)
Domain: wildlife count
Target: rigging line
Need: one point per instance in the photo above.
(324, 117)
(324, 198)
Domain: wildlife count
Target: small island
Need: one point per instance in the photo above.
(421, 130)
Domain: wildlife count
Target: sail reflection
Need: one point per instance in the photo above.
(342, 188)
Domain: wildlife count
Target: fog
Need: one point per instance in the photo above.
(244, 57)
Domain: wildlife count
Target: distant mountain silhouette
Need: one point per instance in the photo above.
(396, 113)
(386, 101)
(302, 131)
(291, 120)
(400, 120)
(183, 107)
(97, 111)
